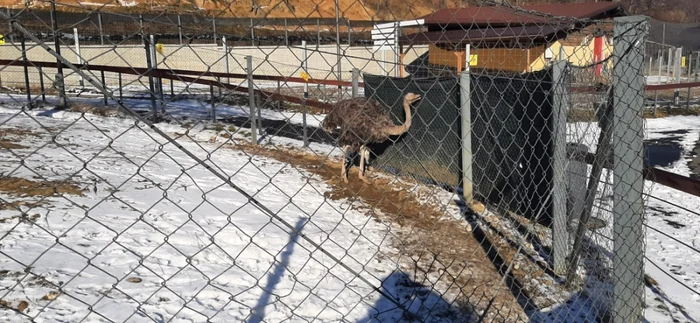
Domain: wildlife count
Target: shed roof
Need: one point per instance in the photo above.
(522, 34)
(532, 14)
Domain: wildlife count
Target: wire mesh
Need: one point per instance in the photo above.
(199, 162)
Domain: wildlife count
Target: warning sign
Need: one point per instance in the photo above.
(473, 60)
(2, 40)
(683, 61)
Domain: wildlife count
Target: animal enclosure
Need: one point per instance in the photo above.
(147, 181)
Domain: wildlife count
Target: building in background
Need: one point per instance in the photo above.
(518, 40)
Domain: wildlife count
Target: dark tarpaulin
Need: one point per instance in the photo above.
(511, 136)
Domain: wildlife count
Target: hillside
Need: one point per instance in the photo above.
(678, 11)
(350, 9)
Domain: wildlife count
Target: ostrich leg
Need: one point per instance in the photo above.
(344, 168)
(364, 158)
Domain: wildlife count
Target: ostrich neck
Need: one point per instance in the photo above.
(399, 130)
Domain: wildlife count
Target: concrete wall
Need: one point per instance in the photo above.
(268, 60)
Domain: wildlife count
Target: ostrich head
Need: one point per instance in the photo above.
(401, 129)
(411, 97)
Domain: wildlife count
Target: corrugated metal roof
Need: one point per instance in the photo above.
(502, 15)
(475, 36)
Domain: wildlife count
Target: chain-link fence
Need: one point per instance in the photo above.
(500, 154)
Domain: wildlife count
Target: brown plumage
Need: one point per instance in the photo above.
(361, 121)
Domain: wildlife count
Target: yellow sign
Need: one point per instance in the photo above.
(473, 60)
(683, 61)
(305, 76)
(159, 48)
(2, 40)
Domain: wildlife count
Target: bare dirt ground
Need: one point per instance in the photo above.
(472, 262)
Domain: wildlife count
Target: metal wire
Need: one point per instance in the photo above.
(216, 199)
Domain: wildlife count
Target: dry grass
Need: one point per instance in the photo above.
(28, 188)
(9, 145)
(31, 218)
(9, 135)
(107, 111)
(17, 205)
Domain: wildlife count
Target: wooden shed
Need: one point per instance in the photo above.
(518, 40)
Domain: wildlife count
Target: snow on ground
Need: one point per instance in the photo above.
(667, 210)
(663, 79)
(198, 247)
(250, 237)
(679, 222)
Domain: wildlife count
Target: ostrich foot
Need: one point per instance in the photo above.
(364, 178)
(477, 207)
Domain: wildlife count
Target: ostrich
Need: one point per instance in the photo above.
(360, 121)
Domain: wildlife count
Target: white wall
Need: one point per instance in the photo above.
(267, 60)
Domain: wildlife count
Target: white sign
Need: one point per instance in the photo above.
(385, 36)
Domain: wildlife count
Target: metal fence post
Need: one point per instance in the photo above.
(690, 69)
(677, 71)
(560, 226)
(213, 23)
(304, 64)
(286, 33)
(102, 76)
(41, 84)
(143, 41)
(670, 61)
(9, 22)
(26, 71)
(223, 41)
(213, 103)
(339, 58)
(151, 87)
(355, 82)
(251, 100)
(99, 25)
(397, 50)
(179, 27)
(121, 92)
(466, 122)
(154, 59)
(318, 33)
(628, 183)
(465, 103)
(58, 78)
(258, 106)
(252, 32)
(697, 66)
(77, 52)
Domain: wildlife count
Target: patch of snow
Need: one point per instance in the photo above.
(125, 3)
(186, 235)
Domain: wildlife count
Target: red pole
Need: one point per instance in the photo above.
(598, 54)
